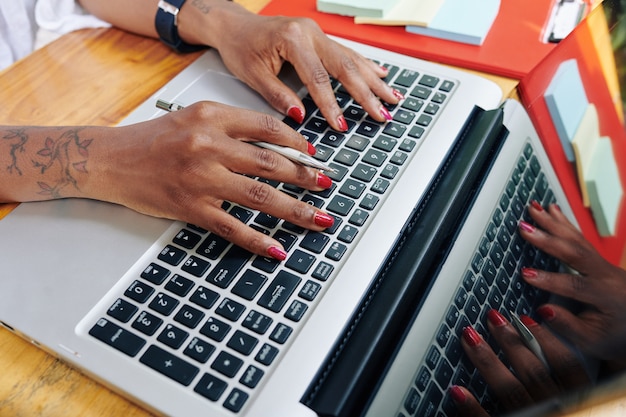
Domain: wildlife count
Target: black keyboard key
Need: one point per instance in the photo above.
(215, 329)
(257, 322)
(249, 284)
(251, 376)
(300, 261)
(230, 309)
(122, 310)
(172, 255)
(340, 205)
(117, 337)
(430, 403)
(212, 247)
(242, 342)
(296, 311)
(147, 323)
(395, 130)
(196, 266)
(179, 285)
(380, 186)
(346, 157)
(333, 139)
(163, 304)
(309, 290)
(375, 157)
(235, 401)
(189, 316)
(173, 336)
(322, 271)
(154, 273)
(411, 401)
(187, 239)
(444, 373)
(210, 387)
(204, 297)
(169, 365)
(315, 241)
(281, 333)
(368, 129)
(369, 201)
(406, 78)
(228, 267)
(227, 364)
(276, 295)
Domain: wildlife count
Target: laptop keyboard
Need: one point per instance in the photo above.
(492, 280)
(214, 317)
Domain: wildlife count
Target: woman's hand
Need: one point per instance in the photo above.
(255, 48)
(599, 328)
(531, 381)
(185, 164)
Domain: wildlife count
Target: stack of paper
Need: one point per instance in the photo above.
(576, 122)
(463, 21)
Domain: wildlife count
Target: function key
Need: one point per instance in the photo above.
(266, 354)
(235, 400)
(322, 271)
(257, 322)
(296, 310)
(281, 333)
(251, 376)
(446, 86)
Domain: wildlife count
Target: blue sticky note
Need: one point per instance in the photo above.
(567, 101)
(461, 21)
(604, 188)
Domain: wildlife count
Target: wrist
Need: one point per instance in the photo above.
(201, 22)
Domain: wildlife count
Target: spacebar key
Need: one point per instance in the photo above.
(169, 365)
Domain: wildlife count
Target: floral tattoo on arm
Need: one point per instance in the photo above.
(59, 161)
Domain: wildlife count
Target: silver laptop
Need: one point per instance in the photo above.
(357, 321)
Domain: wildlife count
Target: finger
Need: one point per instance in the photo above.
(232, 229)
(249, 125)
(261, 196)
(558, 237)
(508, 390)
(565, 365)
(528, 367)
(573, 286)
(466, 403)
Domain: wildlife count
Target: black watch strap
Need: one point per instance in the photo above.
(166, 22)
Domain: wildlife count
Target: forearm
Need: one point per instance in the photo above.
(42, 163)
(199, 21)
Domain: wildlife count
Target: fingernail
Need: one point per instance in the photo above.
(311, 149)
(385, 69)
(529, 273)
(546, 313)
(457, 394)
(324, 181)
(527, 227)
(277, 253)
(496, 318)
(323, 220)
(471, 336)
(536, 205)
(385, 113)
(343, 125)
(557, 207)
(398, 94)
(296, 113)
(528, 322)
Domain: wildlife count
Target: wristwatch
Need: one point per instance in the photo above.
(166, 22)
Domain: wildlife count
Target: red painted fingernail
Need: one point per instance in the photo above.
(457, 394)
(343, 125)
(471, 336)
(385, 113)
(324, 181)
(528, 322)
(527, 227)
(324, 220)
(384, 68)
(296, 113)
(546, 313)
(311, 149)
(496, 318)
(398, 94)
(277, 253)
(536, 205)
(529, 273)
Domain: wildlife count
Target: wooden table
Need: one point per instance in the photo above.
(87, 77)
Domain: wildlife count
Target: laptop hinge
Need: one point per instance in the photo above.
(357, 363)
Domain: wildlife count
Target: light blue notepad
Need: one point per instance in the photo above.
(366, 8)
(567, 102)
(604, 188)
(463, 21)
